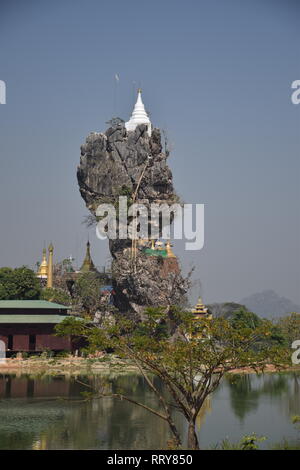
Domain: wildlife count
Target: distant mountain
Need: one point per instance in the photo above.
(224, 309)
(269, 304)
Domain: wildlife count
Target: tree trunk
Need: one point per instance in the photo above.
(175, 433)
(193, 442)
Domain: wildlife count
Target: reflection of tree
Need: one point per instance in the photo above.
(109, 424)
(206, 408)
(243, 399)
(32, 416)
(292, 404)
(38, 420)
(16, 440)
(245, 394)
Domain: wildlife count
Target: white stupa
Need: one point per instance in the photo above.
(139, 115)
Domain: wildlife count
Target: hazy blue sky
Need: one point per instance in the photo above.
(215, 74)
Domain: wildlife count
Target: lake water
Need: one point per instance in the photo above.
(44, 412)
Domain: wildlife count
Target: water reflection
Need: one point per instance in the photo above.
(44, 412)
(248, 391)
(292, 404)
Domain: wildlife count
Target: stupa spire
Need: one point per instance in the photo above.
(87, 264)
(139, 115)
(170, 253)
(43, 269)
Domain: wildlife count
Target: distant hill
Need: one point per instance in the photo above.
(269, 304)
(224, 309)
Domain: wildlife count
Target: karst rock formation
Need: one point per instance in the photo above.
(119, 162)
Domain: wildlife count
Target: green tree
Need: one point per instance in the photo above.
(19, 284)
(242, 318)
(87, 292)
(190, 363)
(56, 295)
(7, 285)
(290, 327)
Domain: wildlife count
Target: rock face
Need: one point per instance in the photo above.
(154, 282)
(115, 160)
(118, 163)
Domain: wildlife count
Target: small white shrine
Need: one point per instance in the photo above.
(139, 115)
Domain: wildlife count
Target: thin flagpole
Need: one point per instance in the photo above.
(117, 79)
(133, 93)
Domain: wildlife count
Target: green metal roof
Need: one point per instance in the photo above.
(38, 304)
(150, 252)
(25, 319)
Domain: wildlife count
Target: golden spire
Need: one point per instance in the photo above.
(87, 264)
(170, 253)
(43, 269)
(50, 266)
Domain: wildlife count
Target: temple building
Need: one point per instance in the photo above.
(139, 115)
(28, 326)
(200, 311)
(47, 272)
(162, 251)
(157, 248)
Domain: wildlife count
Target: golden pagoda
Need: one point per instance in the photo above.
(200, 313)
(87, 265)
(170, 253)
(200, 310)
(43, 268)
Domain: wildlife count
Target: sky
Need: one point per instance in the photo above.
(216, 76)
